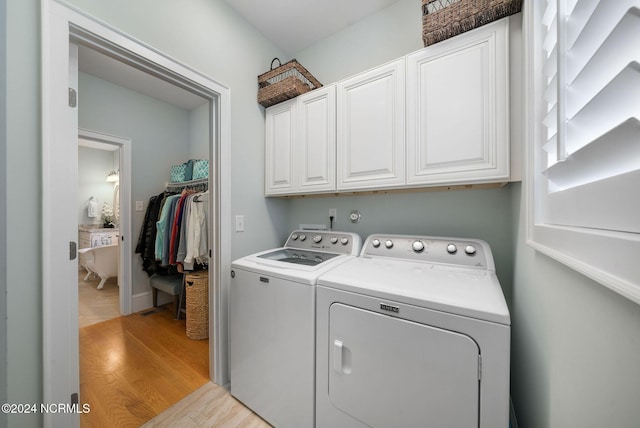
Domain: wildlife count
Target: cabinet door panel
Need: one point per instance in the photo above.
(281, 123)
(371, 128)
(457, 117)
(317, 140)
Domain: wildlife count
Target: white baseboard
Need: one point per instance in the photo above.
(144, 301)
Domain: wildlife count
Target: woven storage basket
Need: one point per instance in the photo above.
(284, 82)
(442, 19)
(197, 303)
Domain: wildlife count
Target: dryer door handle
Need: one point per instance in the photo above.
(341, 357)
(337, 355)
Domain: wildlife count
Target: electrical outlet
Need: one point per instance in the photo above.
(333, 212)
(139, 205)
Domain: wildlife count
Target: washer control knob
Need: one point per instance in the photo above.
(317, 238)
(388, 243)
(303, 237)
(294, 236)
(452, 249)
(334, 239)
(418, 246)
(375, 243)
(470, 250)
(344, 240)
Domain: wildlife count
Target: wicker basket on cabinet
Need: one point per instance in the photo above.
(284, 82)
(442, 19)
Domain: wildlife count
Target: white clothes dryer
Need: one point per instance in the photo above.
(272, 324)
(413, 333)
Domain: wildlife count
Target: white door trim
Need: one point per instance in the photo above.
(126, 238)
(60, 23)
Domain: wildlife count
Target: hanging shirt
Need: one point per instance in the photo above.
(197, 233)
(166, 216)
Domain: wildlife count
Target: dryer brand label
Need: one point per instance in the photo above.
(263, 279)
(389, 308)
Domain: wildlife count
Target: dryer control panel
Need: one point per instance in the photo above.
(325, 240)
(431, 249)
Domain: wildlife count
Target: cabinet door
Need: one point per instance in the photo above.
(370, 121)
(457, 109)
(280, 124)
(317, 140)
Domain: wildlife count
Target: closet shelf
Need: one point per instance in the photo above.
(201, 184)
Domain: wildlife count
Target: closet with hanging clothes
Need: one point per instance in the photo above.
(173, 240)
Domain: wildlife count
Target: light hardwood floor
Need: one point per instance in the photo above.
(142, 369)
(135, 367)
(97, 305)
(210, 406)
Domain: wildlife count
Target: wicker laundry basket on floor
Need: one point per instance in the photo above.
(197, 302)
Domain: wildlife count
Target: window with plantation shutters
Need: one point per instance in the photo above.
(585, 157)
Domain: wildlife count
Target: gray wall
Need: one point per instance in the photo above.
(575, 344)
(22, 166)
(3, 203)
(381, 37)
(483, 214)
(199, 131)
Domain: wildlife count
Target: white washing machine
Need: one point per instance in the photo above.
(414, 333)
(272, 324)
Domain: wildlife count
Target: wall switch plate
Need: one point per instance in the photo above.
(139, 205)
(239, 223)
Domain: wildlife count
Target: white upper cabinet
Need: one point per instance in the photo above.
(281, 135)
(370, 128)
(457, 109)
(317, 140)
(301, 144)
(436, 117)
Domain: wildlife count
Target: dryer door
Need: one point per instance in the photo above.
(389, 372)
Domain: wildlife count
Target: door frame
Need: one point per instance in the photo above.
(62, 24)
(125, 253)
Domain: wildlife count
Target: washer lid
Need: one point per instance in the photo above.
(298, 257)
(468, 292)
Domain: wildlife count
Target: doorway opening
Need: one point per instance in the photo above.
(61, 28)
(104, 266)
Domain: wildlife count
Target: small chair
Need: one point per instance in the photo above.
(171, 284)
